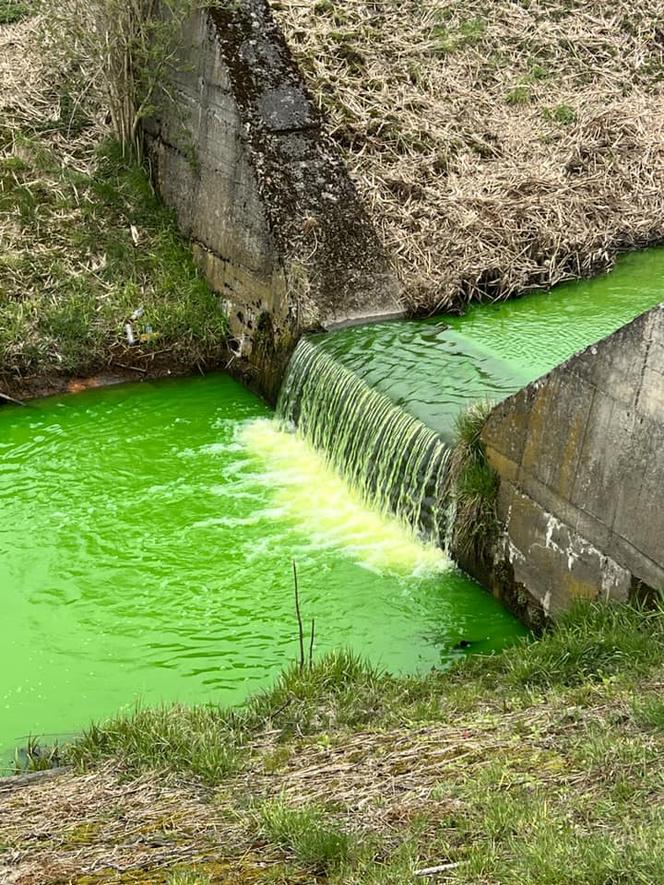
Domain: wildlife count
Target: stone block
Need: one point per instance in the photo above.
(278, 225)
(580, 454)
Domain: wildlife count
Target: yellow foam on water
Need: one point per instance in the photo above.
(309, 491)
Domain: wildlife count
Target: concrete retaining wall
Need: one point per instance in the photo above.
(277, 226)
(580, 458)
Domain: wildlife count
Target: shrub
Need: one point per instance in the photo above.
(117, 51)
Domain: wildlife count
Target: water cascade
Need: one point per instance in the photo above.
(395, 462)
(380, 402)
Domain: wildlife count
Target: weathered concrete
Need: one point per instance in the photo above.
(579, 455)
(278, 227)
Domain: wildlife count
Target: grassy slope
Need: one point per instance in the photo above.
(541, 765)
(84, 243)
(502, 144)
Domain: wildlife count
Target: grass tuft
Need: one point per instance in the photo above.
(308, 835)
(201, 741)
(473, 486)
(340, 689)
(12, 11)
(561, 113)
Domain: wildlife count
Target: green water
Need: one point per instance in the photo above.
(435, 368)
(147, 533)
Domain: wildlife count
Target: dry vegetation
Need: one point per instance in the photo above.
(501, 145)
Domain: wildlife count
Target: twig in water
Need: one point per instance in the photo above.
(300, 627)
(311, 643)
(10, 399)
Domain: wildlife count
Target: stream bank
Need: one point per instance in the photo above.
(540, 765)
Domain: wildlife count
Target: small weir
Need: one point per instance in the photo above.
(147, 531)
(381, 401)
(397, 463)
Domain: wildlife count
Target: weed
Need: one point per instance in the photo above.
(518, 95)
(131, 48)
(561, 113)
(339, 689)
(307, 834)
(536, 71)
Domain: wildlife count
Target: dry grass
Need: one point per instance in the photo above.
(31, 98)
(500, 145)
(102, 828)
(76, 826)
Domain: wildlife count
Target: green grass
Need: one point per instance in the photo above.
(561, 113)
(308, 835)
(450, 39)
(592, 643)
(36, 757)
(518, 95)
(202, 741)
(12, 11)
(649, 712)
(80, 253)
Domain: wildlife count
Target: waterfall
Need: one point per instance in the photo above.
(390, 457)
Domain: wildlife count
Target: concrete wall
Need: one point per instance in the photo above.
(580, 458)
(277, 226)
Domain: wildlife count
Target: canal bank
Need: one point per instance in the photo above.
(543, 763)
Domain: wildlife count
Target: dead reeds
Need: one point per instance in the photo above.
(500, 147)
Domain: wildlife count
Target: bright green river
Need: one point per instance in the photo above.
(147, 531)
(147, 535)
